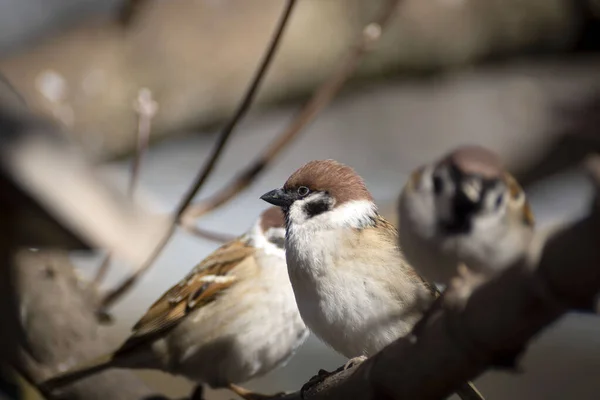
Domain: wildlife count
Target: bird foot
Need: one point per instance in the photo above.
(249, 395)
(354, 362)
(461, 287)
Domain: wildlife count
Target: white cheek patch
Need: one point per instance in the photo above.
(261, 241)
(297, 211)
(352, 214)
(276, 235)
(274, 243)
(491, 208)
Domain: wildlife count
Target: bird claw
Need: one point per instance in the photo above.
(354, 362)
(461, 287)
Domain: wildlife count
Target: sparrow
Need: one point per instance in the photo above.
(232, 318)
(353, 287)
(463, 209)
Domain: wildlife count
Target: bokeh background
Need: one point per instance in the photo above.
(446, 72)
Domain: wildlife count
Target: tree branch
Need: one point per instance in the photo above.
(146, 108)
(210, 235)
(112, 296)
(321, 98)
(494, 325)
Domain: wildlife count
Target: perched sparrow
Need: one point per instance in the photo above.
(353, 287)
(234, 317)
(466, 208)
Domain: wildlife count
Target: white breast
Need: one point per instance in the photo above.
(255, 329)
(354, 306)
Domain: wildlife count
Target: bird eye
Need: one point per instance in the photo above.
(438, 184)
(303, 191)
(499, 201)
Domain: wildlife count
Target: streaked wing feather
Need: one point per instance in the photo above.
(391, 233)
(197, 289)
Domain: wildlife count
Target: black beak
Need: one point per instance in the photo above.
(464, 208)
(278, 197)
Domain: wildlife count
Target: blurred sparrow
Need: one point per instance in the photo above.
(465, 208)
(52, 197)
(234, 317)
(353, 287)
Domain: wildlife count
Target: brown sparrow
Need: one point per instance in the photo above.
(232, 318)
(353, 287)
(465, 208)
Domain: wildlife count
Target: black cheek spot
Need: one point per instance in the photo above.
(278, 241)
(317, 207)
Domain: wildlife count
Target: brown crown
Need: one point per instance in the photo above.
(272, 217)
(476, 160)
(339, 180)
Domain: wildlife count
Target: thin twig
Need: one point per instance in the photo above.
(101, 272)
(146, 109)
(322, 97)
(208, 167)
(210, 235)
(202, 233)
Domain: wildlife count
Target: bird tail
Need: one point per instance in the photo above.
(78, 373)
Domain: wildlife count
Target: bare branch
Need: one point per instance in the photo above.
(101, 272)
(208, 167)
(493, 327)
(57, 195)
(210, 235)
(146, 109)
(322, 97)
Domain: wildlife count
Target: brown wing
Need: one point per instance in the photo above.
(391, 234)
(201, 286)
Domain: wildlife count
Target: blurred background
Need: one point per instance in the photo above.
(519, 76)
